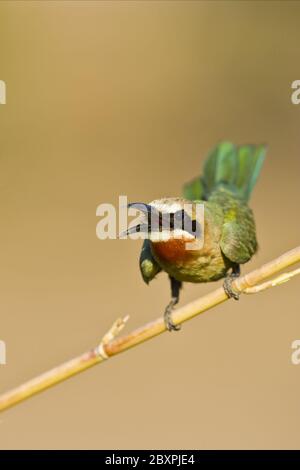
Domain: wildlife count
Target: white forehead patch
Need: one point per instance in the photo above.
(164, 207)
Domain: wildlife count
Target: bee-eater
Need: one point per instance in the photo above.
(223, 238)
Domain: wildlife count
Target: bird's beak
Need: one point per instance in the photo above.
(136, 229)
(140, 206)
(153, 217)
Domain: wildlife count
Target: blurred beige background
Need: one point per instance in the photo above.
(109, 98)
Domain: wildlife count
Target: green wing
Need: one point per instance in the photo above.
(148, 266)
(238, 240)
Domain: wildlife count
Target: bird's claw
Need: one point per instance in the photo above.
(170, 325)
(227, 286)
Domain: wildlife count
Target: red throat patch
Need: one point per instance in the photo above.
(172, 250)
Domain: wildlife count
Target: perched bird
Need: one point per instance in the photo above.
(200, 248)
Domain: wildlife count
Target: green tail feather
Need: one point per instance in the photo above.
(236, 168)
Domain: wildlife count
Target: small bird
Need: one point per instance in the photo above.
(201, 248)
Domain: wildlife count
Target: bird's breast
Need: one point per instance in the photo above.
(173, 251)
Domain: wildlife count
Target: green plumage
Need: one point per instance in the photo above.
(148, 266)
(229, 176)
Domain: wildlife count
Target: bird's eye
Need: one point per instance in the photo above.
(180, 219)
(179, 215)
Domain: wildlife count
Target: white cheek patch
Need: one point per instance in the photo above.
(166, 235)
(178, 233)
(163, 236)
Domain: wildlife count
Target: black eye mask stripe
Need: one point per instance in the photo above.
(158, 221)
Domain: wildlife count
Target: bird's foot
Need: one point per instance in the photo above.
(227, 286)
(170, 325)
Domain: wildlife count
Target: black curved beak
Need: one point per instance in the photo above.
(140, 206)
(153, 218)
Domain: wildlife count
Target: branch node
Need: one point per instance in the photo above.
(112, 333)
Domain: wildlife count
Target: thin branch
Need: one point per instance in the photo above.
(109, 346)
(281, 279)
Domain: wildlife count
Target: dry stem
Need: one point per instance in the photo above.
(251, 283)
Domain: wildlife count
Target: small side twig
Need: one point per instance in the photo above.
(112, 333)
(281, 279)
(110, 345)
